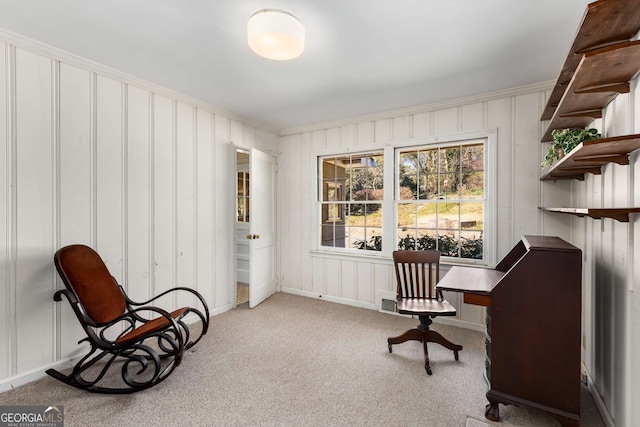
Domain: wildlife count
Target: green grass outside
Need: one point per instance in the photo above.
(425, 212)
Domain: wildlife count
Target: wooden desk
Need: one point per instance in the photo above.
(534, 307)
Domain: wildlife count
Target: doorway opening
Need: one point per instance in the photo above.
(243, 227)
(255, 224)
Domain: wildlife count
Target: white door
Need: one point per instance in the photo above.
(262, 233)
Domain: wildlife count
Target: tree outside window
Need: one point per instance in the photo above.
(440, 199)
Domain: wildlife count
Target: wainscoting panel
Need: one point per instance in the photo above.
(185, 201)
(473, 116)
(349, 279)
(205, 238)
(382, 131)
(334, 278)
(447, 121)
(138, 202)
(526, 149)
(307, 219)
(500, 116)
(318, 271)
(164, 191)
(110, 175)
(35, 214)
(634, 260)
(365, 290)
(75, 168)
(6, 205)
(422, 124)
(224, 214)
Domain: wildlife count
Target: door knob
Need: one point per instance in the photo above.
(253, 236)
(256, 236)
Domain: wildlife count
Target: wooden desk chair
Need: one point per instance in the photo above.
(417, 273)
(143, 341)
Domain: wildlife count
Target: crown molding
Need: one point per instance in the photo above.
(485, 97)
(54, 53)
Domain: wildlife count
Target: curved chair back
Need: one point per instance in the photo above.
(417, 272)
(85, 274)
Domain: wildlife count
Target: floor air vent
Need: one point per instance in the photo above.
(388, 305)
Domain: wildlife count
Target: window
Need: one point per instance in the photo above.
(351, 193)
(440, 194)
(440, 199)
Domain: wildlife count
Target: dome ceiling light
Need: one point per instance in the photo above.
(275, 34)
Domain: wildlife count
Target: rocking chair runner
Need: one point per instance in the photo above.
(417, 272)
(120, 331)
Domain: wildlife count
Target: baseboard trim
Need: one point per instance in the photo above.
(329, 298)
(34, 375)
(442, 320)
(39, 373)
(602, 409)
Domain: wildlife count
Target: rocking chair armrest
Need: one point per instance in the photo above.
(68, 294)
(77, 308)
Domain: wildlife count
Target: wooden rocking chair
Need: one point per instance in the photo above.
(145, 342)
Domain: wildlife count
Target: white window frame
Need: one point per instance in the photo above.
(317, 178)
(389, 202)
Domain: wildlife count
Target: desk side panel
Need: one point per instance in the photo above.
(535, 330)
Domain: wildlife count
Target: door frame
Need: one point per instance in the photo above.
(233, 159)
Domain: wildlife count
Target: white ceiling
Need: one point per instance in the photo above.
(361, 56)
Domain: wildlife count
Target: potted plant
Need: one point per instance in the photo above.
(565, 140)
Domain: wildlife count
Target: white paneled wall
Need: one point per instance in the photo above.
(354, 280)
(632, 368)
(92, 156)
(611, 280)
(7, 293)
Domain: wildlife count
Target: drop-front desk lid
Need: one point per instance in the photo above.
(480, 281)
(472, 280)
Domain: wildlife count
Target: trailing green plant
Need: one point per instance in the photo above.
(565, 140)
(374, 244)
(448, 245)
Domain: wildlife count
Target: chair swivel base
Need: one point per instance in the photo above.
(425, 335)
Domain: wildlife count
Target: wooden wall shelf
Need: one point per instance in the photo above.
(604, 23)
(600, 76)
(589, 156)
(619, 214)
(601, 63)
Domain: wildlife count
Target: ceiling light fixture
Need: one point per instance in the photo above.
(275, 34)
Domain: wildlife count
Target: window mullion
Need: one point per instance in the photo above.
(390, 177)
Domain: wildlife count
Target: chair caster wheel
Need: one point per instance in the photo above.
(455, 355)
(390, 350)
(428, 370)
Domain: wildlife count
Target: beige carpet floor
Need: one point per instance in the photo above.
(296, 361)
